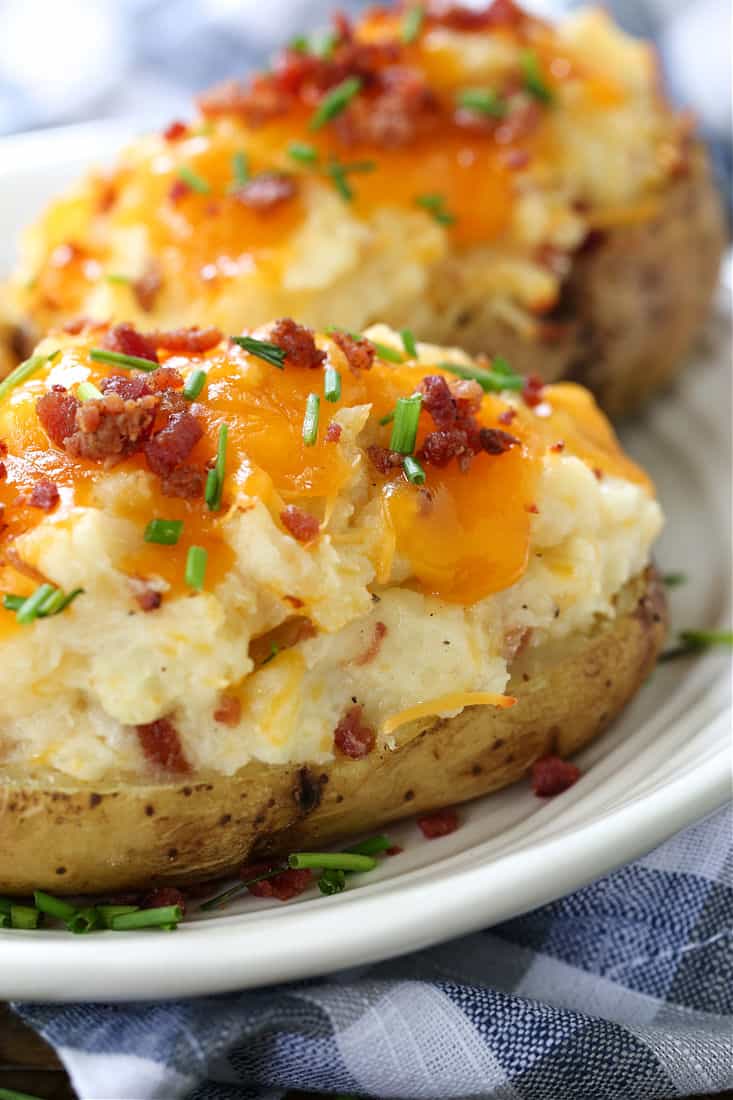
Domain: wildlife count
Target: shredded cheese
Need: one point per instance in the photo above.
(444, 704)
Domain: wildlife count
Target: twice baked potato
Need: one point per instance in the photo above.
(288, 586)
(481, 177)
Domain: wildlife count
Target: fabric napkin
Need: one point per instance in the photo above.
(621, 991)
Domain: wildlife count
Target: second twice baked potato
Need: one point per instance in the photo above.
(289, 586)
(479, 176)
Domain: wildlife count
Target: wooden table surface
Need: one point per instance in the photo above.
(28, 1065)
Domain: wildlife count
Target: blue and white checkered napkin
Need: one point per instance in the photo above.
(622, 991)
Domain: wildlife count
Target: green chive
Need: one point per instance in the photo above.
(489, 380)
(240, 169)
(147, 918)
(21, 373)
(414, 471)
(194, 384)
(372, 846)
(54, 907)
(87, 391)
(83, 921)
(324, 46)
(332, 882)
(262, 349)
(51, 604)
(302, 152)
(336, 101)
(274, 650)
(331, 861)
(412, 24)
(404, 429)
(215, 479)
(240, 888)
(24, 916)
(60, 602)
(697, 642)
(484, 100)
(344, 188)
(164, 532)
(31, 607)
(107, 913)
(114, 277)
(435, 205)
(196, 560)
(194, 180)
(674, 580)
(534, 81)
(408, 343)
(11, 1094)
(391, 355)
(499, 365)
(387, 418)
(311, 418)
(6, 905)
(300, 44)
(13, 603)
(101, 355)
(331, 384)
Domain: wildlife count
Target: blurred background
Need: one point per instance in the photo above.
(141, 59)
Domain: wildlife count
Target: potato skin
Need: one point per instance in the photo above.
(633, 303)
(94, 839)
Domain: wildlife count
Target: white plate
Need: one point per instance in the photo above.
(664, 764)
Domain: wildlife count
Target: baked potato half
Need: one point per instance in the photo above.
(481, 177)
(289, 585)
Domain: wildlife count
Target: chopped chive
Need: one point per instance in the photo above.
(331, 384)
(331, 861)
(332, 882)
(412, 24)
(54, 907)
(30, 608)
(5, 905)
(435, 205)
(196, 560)
(24, 916)
(300, 44)
(302, 152)
(240, 169)
(21, 373)
(262, 349)
(118, 359)
(51, 604)
(194, 384)
(83, 921)
(384, 351)
(13, 603)
(499, 365)
(164, 532)
(147, 918)
(696, 642)
(215, 479)
(344, 188)
(115, 277)
(54, 355)
(372, 846)
(485, 100)
(408, 343)
(674, 580)
(87, 391)
(107, 913)
(534, 81)
(489, 380)
(336, 101)
(324, 46)
(387, 418)
(311, 418)
(240, 888)
(211, 491)
(194, 180)
(414, 471)
(404, 429)
(61, 602)
(11, 1094)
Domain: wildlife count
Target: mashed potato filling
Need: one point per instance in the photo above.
(400, 594)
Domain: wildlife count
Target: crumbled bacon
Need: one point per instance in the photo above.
(507, 415)
(165, 378)
(403, 109)
(359, 352)
(384, 459)
(255, 104)
(438, 400)
(352, 737)
(380, 633)
(44, 495)
(551, 776)
(3, 471)
(267, 191)
(301, 525)
(178, 190)
(130, 387)
(191, 341)
(127, 340)
(175, 130)
(333, 432)
(171, 446)
(162, 897)
(440, 447)
(440, 823)
(519, 123)
(228, 711)
(468, 395)
(161, 746)
(500, 13)
(75, 326)
(533, 390)
(186, 481)
(496, 442)
(146, 597)
(298, 344)
(111, 428)
(57, 413)
(283, 886)
(147, 287)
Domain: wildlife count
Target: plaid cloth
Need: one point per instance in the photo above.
(621, 991)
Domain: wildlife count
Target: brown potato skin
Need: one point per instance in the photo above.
(96, 839)
(633, 303)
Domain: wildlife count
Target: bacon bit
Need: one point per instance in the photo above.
(496, 442)
(44, 495)
(192, 341)
(186, 481)
(229, 710)
(162, 897)
(127, 340)
(351, 737)
(298, 344)
(165, 378)
(403, 109)
(256, 104)
(267, 191)
(172, 445)
(359, 352)
(178, 190)
(76, 326)
(551, 776)
(440, 823)
(438, 400)
(380, 633)
(294, 601)
(533, 390)
(107, 196)
(519, 124)
(384, 459)
(467, 395)
(598, 473)
(558, 447)
(175, 130)
(146, 597)
(128, 387)
(301, 525)
(333, 432)
(57, 413)
(532, 509)
(395, 850)
(507, 416)
(516, 159)
(111, 428)
(147, 287)
(501, 13)
(288, 884)
(3, 449)
(440, 447)
(3, 471)
(161, 746)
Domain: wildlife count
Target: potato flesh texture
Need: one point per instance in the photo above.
(97, 839)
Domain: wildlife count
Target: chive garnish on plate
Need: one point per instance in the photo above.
(119, 359)
(262, 349)
(311, 419)
(404, 428)
(674, 580)
(148, 918)
(336, 101)
(692, 642)
(24, 917)
(332, 882)
(53, 907)
(164, 532)
(336, 861)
